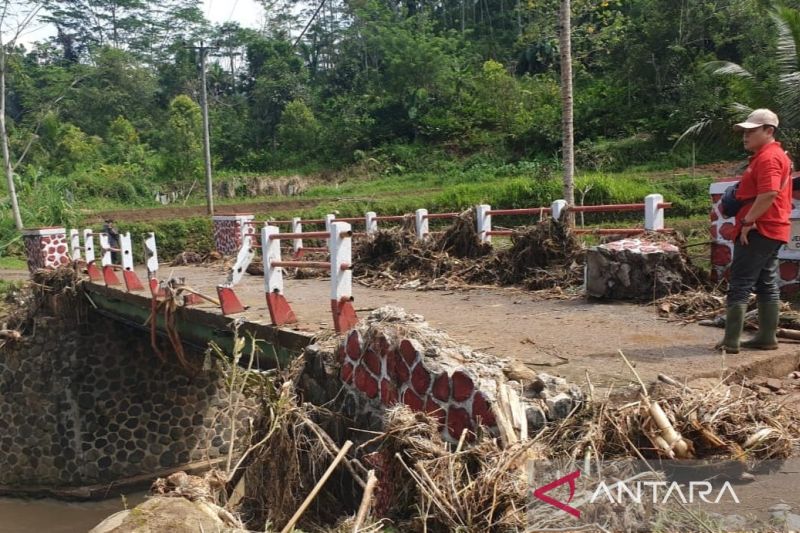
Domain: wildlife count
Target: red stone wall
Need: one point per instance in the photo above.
(390, 372)
(46, 251)
(228, 235)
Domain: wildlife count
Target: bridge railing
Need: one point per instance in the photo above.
(109, 268)
(653, 209)
(339, 237)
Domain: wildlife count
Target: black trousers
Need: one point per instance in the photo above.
(755, 267)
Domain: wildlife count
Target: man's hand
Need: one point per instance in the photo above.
(745, 231)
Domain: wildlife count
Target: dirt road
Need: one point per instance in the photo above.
(564, 337)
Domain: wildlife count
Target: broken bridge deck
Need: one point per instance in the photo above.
(566, 337)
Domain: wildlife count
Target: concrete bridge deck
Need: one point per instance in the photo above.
(567, 337)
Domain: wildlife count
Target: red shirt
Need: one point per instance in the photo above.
(769, 170)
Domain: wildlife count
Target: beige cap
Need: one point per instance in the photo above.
(758, 118)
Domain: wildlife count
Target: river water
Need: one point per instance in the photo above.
(53, 516)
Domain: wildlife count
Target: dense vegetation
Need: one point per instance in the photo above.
(106, 111)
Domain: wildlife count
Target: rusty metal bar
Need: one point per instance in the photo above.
(523, 211)
(393, 218)
(612, 208)
(317, 265)
(351, 220)
(312, 249)
(617, 231)
(307, 235)
(432, 216)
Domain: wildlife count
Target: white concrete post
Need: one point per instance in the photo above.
(372, 222)
(653, 214)
(557, 208)
(341, 254)
(126, 251)
(243, 260)
(297, 227)
(105, 248)
(75, 244)
(328, 220)
(88, 243)
(273, 276)
(421, 220)
(150, 254)
(484, 221)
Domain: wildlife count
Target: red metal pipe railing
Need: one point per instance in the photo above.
(612, 208)
(616, 231)
(393, 218)
(522, 211)
(307, 235)
(433, 216)
(315, 265)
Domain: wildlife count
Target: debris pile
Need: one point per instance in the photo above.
(194, 258)
(542, 256)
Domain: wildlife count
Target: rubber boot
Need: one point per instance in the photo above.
(734, 322)
(765, 338)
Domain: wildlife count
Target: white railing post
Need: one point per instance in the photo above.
(372, 222)
(271, 250)
(421, 222)
(105, 260)
(243, 259)
(653, 212)
(132, 282)
(75, 245)
(340, 248)
(126, 251)
(297, 227)
(328, 220)
(557, 208)
(88, 244)
(484, 222)
(151, 255)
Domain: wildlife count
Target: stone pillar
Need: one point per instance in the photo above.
(46, 247)
(228, 231)
(633, 269)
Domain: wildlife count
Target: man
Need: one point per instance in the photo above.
(762, 226)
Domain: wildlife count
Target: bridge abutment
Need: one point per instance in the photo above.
(92, 404)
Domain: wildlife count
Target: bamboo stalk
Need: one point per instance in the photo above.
(366, 500)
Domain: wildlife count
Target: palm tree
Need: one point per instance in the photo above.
(568, 151)
(785, 101)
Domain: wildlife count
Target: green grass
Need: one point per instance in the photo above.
(352, 192)
(12, 263)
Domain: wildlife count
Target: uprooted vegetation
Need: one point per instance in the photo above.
(406, 476)
(426, 484)
(546, 255)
